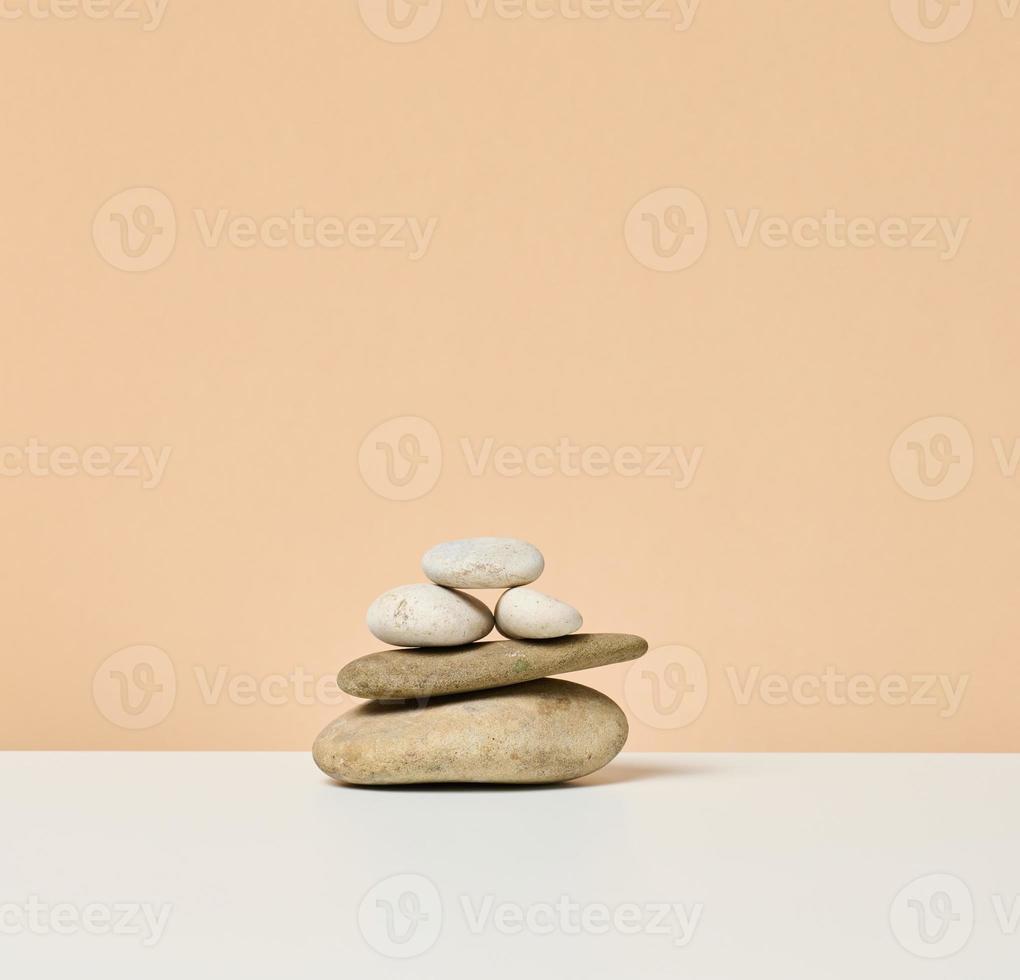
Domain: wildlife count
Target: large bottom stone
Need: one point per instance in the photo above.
(544, 731)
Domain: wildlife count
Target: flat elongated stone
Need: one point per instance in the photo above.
(483, 563)
(542, 732)
(439, 670)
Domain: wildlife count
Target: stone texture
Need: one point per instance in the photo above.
(414, 674)
(527, 614)
(425, 615)
(483, 563)
(545, 731)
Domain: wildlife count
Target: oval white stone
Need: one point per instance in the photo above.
(483, 563)
(527, 614)
(428, 616)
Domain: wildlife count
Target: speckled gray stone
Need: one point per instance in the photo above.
(545, 731)
(423, 673)
(426, 615)
(483, 563)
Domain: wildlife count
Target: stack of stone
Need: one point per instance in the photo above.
(455, 710)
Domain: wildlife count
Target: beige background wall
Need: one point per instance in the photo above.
(153, 300)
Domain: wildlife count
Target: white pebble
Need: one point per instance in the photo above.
(428, 616)
(483, 563)
(527, 614)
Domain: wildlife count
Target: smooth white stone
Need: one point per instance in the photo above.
(527, 614)
(428, 616)
(483, 563)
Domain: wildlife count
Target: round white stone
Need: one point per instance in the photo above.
(428, 616)
(483, 563)
(527, 614)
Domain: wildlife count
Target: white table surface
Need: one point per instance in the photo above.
(785, 866)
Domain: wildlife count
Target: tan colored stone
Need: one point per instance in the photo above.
(455, 670)
(545, 731)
